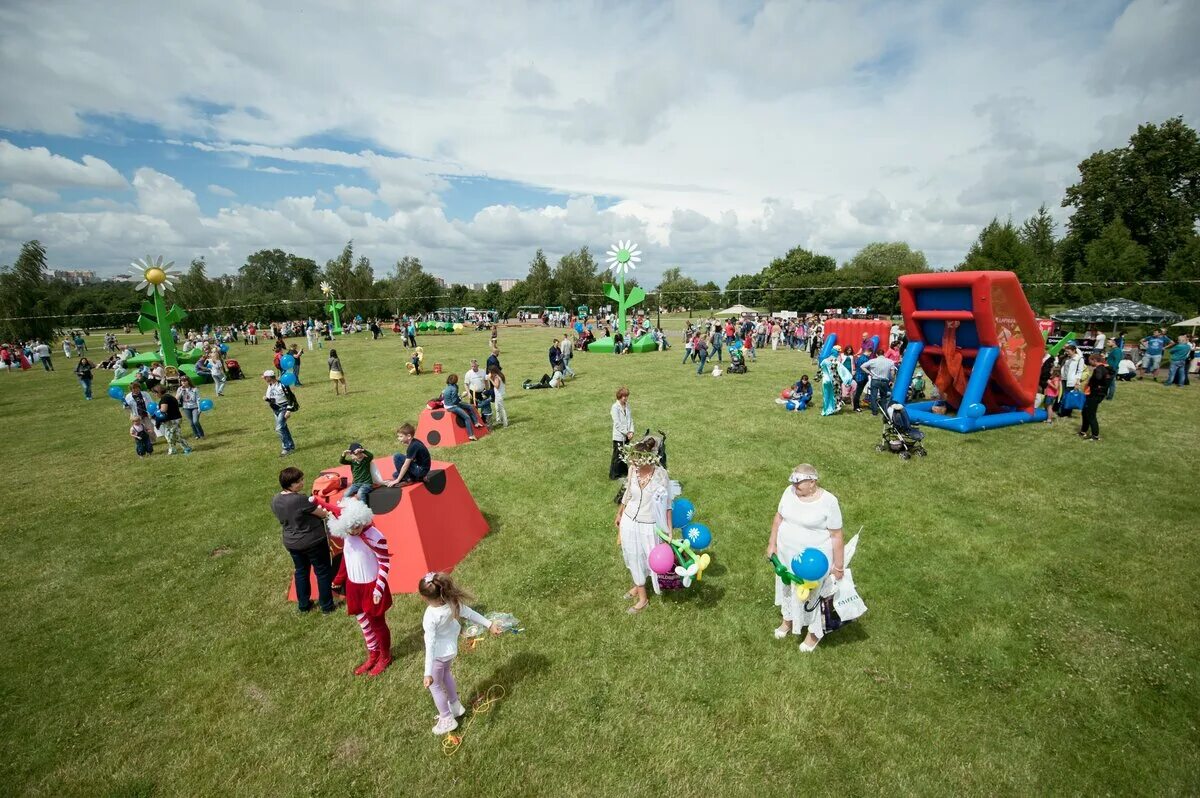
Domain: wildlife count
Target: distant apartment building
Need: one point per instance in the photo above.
(441, 283)
(75, 276)
(507, 284)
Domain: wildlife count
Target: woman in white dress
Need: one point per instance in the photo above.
(645, 506)
(807, 516)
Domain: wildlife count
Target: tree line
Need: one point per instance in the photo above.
(1133, 224)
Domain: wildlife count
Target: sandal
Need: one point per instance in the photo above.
(783, 631)
(630, 595)
(636, 608)
(807, 647)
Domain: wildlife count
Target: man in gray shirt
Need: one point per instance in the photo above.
(879, 371)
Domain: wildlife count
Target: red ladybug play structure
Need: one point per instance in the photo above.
(429, 526)
(978, 340)
(440, 427)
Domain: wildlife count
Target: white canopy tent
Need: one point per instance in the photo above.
(1188, 322)
(736, 310)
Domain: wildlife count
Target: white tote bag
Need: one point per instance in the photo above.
(846, 601)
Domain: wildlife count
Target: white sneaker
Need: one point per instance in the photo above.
(445, 726)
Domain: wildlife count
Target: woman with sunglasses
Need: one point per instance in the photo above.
(808, 516)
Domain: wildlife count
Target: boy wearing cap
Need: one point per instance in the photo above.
(359, 460)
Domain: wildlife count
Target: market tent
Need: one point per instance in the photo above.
(1194, 322)
(1116, 311)
(736, 310)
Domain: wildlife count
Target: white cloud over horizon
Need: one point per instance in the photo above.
(725, 133)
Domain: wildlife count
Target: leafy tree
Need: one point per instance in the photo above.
(998, 248)
(25, 290)
(711, 298)
(539, 283)
(575, 278)
(740, 289)
(798, 262)
(413, 289)
(1113, 257)
(1037, 234)
(677, 291)
(352, 281)
(1152, 185)
(895, 256)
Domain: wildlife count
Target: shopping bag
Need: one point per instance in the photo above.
(1073, 400)
(846, 601)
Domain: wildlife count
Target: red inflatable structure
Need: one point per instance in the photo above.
(429, 526)
(858, 333)
(978, 340)
(442, 428)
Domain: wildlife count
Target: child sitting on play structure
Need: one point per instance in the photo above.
(361, 481)
(414, 464)
(446, 606)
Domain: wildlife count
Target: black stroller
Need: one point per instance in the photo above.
(737, 361)
(900, 434)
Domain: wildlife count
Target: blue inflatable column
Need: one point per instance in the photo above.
(827, 347)
(908, 367)
(981, 372)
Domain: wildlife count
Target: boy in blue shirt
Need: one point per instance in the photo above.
(414, 464)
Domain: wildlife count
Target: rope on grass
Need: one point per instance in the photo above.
(484, 703)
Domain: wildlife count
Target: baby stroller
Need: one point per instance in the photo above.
(900, 434)
(737, 361)
(234, 370)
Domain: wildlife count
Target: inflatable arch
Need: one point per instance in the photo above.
(977, 339)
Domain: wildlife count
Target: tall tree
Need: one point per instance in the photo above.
(413, 289)
(1152, 185)
(675, 290)
(1113, 257)
(998, 248)
(539, 283)
(575, 279)
(25, 291)
(892, 256)
(797, 262)
(1037, 234)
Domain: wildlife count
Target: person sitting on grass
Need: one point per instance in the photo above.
(802, 393)
(414, 464)
(452, 402)
(361, 481)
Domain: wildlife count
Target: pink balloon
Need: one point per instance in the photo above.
(662, 559)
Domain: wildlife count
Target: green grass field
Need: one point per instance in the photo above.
(1033, 624)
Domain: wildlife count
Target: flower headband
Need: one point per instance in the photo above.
(796, 479)
(429, 577)
(639, 457)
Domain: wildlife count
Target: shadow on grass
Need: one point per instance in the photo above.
(846, 635)
(509, 675)
(700, 594)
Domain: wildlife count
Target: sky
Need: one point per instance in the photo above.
(716, 134)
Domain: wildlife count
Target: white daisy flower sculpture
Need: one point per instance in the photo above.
(622, 257)
(156, 275)
(326, 288)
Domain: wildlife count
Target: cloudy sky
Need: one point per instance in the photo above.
(717, 134)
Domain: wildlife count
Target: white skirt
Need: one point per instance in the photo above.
(636, 541)
(802, 613)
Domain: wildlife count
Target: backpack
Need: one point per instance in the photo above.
(293, 402)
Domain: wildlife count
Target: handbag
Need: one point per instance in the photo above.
(1073, 400)
(846, 601)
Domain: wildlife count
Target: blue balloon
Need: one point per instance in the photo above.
(206, 405)
(115, 392)
(287, 362)
(811, 565)
(224, 348)
(579, 327)
(791, 405)
(152, 407)
(698, 535)
(288, 379)
(682, 511)
(974, 410)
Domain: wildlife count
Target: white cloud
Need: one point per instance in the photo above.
(37, 166)
(727, 132)
(356, 196)
(221, 191)
(33, 194)
(13, 214)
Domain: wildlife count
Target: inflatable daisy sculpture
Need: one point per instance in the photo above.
(334, 307)
(156, 282)
(623, 256)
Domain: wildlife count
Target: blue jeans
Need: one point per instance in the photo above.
(716, 352)
(143, 445)
(877, 395)
(361, 489)
(192, 414)
(315, 557)
(703, 360)
(1112, 387)
(467, 414)
(1177, 372)
(567, 370)
(686, 354)
(87, 388)
(414, 472)
(285, 434)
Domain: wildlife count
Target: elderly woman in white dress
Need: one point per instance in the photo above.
(808, 517)
(645, 506)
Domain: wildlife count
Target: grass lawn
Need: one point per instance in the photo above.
(1034, 625)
